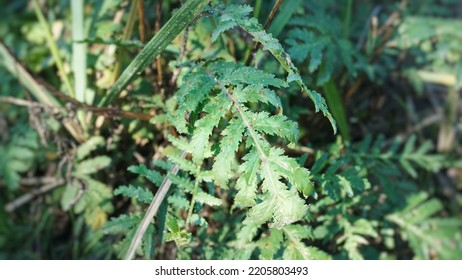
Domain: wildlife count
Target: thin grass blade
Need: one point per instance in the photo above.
(177, 23)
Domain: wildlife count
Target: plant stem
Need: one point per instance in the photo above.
(79, 59)
(193, 198)
(141, 27)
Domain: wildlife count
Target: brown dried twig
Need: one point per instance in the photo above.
(107, 112)
(141, 27)
(51, 184)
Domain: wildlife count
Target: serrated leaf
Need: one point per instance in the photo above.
(139, 193)
(195, 88)
(347, 187)
(424, 211)
(247, 182)
(95, 195)
(69, 196)
(277, 125)
(249, 75)
(204, 128)
(178, 202)
(271, 244)
(92, 165)
(426, 235)
(284, 205)
(228, 147)
(152, 175)
(183, 183)
(233, 13)
(298, 176)
(296, 249)
(182, 163)
(255, 93)
(121, 224)
(208, 199)
(224, 26)
(90, 145)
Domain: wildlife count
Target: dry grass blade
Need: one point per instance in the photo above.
(16, 69)
(177, 23)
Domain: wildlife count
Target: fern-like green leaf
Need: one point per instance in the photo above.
(247, 182)
(152, 175)
(355, 236)
(196, 87)
(296, 249)
(427, 235)
(121, 224)
(277, 125)
(270, 245)
(256, 92)
(139, 193)
(234, 15)
(204, 127)
(229, 144)
(279, 203)
(205, 198)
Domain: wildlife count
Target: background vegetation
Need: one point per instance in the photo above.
(230, 108)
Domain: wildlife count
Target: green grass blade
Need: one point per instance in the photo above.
(347, 18)
(53, 48)
(127, 34)
(286, 11)
(256, 11)
(79, 52)
(176, 24)
(336, 107)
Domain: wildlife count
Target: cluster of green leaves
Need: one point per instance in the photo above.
(227, 143)
(360, 192)
(261, 162)
(234, 137)
(234, 15)
(439, 40)
(340, 217)
(317, 38)
(169, 218)
(17, 155)
(219, 96)
(429, 237)
(84, 194)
